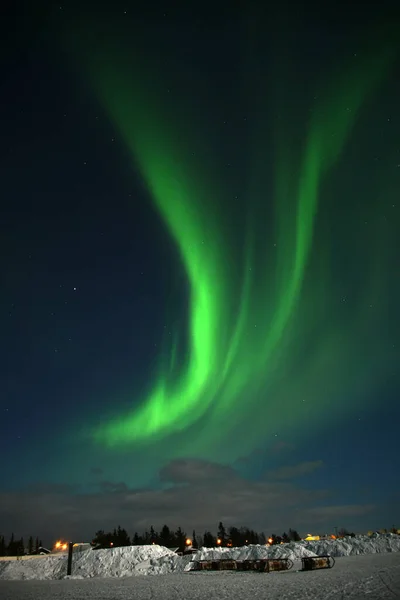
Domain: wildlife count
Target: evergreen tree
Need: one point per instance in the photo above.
(194, 540)
(153, 535)
(30, 545)
(3, 547)
(235, 537)
(252, 537)
(166, 537)
(221, 533)
(99, 537)
(122, 538)
(293, 535)
(20, 547)
(11, 546)
(146, 538)
(37, 545)
(136, 539)
(180, 536)
(208, 540)
(285, 538)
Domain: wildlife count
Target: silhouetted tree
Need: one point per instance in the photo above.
(122, 537)
(99, 537)
(3, 547)
(194, 540)
(208, 540)
(235, 536)
(153, 535)
(136, 539)
(285, 538)
(30, 545)
(221, 533)
(293, 535)
(180, 536)
(166, 538)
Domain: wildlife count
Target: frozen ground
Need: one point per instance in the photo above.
(372, 576)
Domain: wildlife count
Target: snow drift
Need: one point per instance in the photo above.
(156, 560)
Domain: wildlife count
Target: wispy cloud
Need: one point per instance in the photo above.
(326, 513)
(295, 471)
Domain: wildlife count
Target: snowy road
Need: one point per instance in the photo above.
(376, 577)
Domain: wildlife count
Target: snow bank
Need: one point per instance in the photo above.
(157, 560)
(113, 562)
(361, 544)
(292, 550)
(349, 546)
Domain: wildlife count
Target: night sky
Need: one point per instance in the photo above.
(200, 267)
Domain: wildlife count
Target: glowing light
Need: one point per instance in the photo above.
(242, 326)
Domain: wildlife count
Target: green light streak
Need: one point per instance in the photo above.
(232, 353)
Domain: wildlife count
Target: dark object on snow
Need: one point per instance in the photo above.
(311, 563)
(279, 564)
(263, 565)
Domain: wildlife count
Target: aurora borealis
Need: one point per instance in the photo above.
(200, 269)
(247, 321)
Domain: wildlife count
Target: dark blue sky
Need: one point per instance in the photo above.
(88, 269)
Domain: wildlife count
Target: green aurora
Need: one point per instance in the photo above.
(266, 346)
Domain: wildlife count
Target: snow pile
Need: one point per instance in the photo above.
(113, 562)
(170, 563)
(157, 560)
(46, 567)
(361, 544)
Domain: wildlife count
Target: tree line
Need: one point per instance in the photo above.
(16, 546)
(233, 536)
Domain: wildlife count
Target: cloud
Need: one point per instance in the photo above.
(96, 471)
(199, 495)
(294, 471)
(113, 487)
(326, 513)
(196, 471)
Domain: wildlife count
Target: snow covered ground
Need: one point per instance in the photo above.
(157, 560)
(123, 573)
(372, 577)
